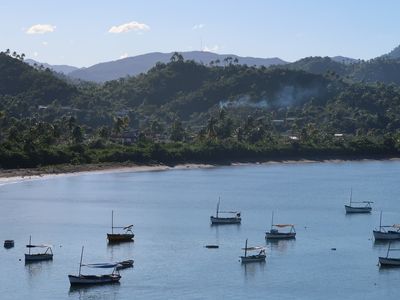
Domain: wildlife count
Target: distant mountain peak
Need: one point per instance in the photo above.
(134, 65)
(64, 69)
(394, 54)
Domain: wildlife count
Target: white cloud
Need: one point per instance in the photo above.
(41, 29)
(214, 48)
(132, 26)
(124, 55)
(35, 54)
(45, 43)
(198, 26)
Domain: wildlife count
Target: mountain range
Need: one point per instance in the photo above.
(135, 65)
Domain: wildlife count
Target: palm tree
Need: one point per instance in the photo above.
(77, 134)
(222, 114)
(120, 124)
(176, 57)
(210, 128)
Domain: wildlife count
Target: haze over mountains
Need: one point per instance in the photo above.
(135, 65)
(65, 69)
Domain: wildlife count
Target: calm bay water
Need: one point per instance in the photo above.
(170, 211)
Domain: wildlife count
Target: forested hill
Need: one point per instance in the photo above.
(32, 86)
(186, 88)
(193, 92)
(182, 111)
(385, 69)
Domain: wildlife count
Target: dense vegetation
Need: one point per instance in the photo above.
(183, 111)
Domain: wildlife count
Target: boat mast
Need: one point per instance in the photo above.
(272, 220)
(380, 222)
(387, 254)
(351, 195)
(245, 249)
(219, 199)
(30, 239)
(80, 264)
(112, 222)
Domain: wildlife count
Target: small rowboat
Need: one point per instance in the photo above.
(212, 246)
(260, 257)
(8, 244)
(387, 232)
(81, 279)
(389, 261)
(235, 217)
(125, 264)
(127, 236)
(363, 209)
(275, 234)
(34, 257)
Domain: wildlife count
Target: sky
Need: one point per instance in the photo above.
(85, 32)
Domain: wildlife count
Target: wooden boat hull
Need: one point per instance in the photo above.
(389, 262)
(357, 210)
(386, 236)
(119, 238)
(232, 220)
(38, 257)
(93, 279)
(280, 235)
(253, 258)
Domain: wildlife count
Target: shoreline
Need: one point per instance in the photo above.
(8, 176)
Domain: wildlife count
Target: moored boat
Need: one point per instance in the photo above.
(8, 244)
(387, 232)
(33, 257)
(235, 217)
(127, 236)
(358, 209)
(389, 261)
(81, 279)
(275, 234)
(260, 257)
(125, 264)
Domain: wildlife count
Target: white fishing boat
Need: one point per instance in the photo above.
(387, 232)
(81, 279)
(361, 207)
(389, 261)
(275, 234)
(235, 217)
(42, 256)
(259, 257)
(126, 236)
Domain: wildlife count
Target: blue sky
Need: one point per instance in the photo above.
(80, 32)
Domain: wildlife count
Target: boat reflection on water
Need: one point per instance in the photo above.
(109, 291)
(35, 268)
(251, 270)
(280, 245)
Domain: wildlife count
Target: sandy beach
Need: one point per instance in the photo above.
(8, 176)
(19, 175)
